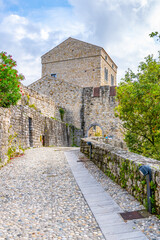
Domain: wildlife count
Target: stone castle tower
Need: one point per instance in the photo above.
(80, 63)
(81, 79)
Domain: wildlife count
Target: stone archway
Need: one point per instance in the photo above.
(95, 130)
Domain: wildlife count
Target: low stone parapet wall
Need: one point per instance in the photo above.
(123, 168)
(115, 142)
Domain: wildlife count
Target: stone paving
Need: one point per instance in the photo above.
(106, 211)
(150, 226)
(40, 199)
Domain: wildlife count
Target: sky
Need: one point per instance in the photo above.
(29, 29)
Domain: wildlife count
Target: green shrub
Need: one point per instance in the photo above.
(10, 91)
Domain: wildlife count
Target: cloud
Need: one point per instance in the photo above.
(27, 38)
(121, 27)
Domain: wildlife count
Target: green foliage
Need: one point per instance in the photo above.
(155, 35)
(33, 106)
(110, 175)
(11, 146)
(61, 111)
(54, 118)
(153, 186)
(143, 182)
(10, 91)
(11, 152)
(123, 179)
(74, 145)
(97, 134)
(28, 97)
(139, 108)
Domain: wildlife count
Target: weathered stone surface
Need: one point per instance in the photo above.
(80, 86)
(63, 94)
(82, 109)
(79, 63)
(123, 167)
(23, 127)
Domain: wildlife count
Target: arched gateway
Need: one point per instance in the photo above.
(95, 130)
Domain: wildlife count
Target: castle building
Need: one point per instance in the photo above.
(81, 78)
(80, 63)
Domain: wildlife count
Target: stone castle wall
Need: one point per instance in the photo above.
(4, 128)
(22, 127)
(83, 107)
(41, 102)
(79, 63)
(82, 72)
(123, 168)
(65, 95)
(98, 109)
(75, 62)
(107, 63)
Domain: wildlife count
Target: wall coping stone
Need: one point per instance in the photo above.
(134, 157)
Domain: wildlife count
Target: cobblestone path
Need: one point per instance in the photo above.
(39, 199)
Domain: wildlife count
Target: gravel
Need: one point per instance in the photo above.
(40, 199)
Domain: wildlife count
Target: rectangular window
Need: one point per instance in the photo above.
(112, 80)
(106, 57)
(96, 92)
(106, 74)
(53, 75)
(112, 91)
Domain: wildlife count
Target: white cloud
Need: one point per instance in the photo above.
(28, 39)
(121, 27)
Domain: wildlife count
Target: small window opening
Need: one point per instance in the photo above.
(54, 75)
(106, 74)
(96, 92)
(112, 80)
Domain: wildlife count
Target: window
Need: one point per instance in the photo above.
(112, 80)
(106, 74)
(53, 75)
(96, 92)
(106, 57)
(112, 65)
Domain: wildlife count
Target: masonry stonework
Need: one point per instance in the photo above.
(78, 69)
(71, 72)
(41, 102)
(78, 78)
(99, 110)
(123, 168)
(79, 63)
(4, 128)
(23, 126)
(63, 94)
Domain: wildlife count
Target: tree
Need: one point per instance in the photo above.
(156, 35)
(139, 108)
(10, 91)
